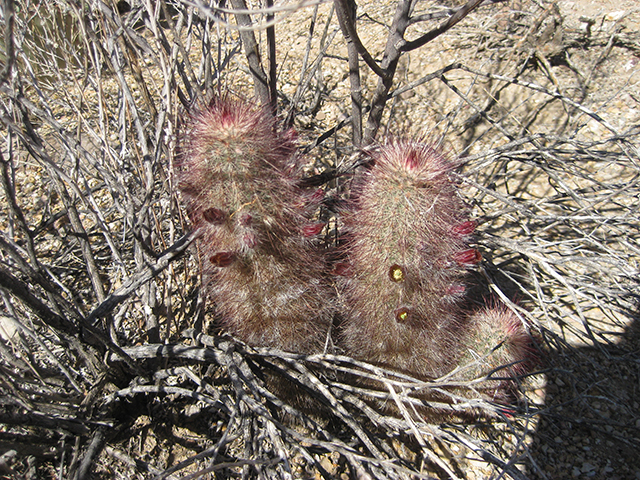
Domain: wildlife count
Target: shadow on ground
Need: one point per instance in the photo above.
(590, 426)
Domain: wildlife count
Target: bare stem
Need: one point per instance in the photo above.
(273, 69)
(396, 46)
(346, 12)
(451, 21)
(8, 36)
(389, 65)
(252, 52)
(345, 9)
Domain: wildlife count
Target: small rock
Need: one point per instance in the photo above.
(192, 410)
(587, 467)
(328, 465)
(614, 16)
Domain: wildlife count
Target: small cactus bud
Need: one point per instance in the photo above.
(342, 269)
(468, 257)
(222, 259)
(465, 228)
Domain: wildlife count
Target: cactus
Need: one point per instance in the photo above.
(405, 256)
(496, 345)
(405, 252)
(402, 277)
(238, 176)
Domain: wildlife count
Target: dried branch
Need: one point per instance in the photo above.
(37, 305)
(142, 277)
(459, 14)
(346, 13)
(272, 61)
(252, 52)
(396, 45)
(91, 117)
(9, 21)
(16, 211)
(389, 64)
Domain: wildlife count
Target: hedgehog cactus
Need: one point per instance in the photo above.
(406, 253)
(496, 345)
(238, 177)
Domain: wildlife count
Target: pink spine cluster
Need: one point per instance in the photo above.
(238, 175)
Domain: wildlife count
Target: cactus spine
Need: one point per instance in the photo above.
(238, 177)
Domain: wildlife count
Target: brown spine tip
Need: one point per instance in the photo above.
(222, 259)
(214, 216)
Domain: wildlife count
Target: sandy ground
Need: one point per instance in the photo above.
(597, 7)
